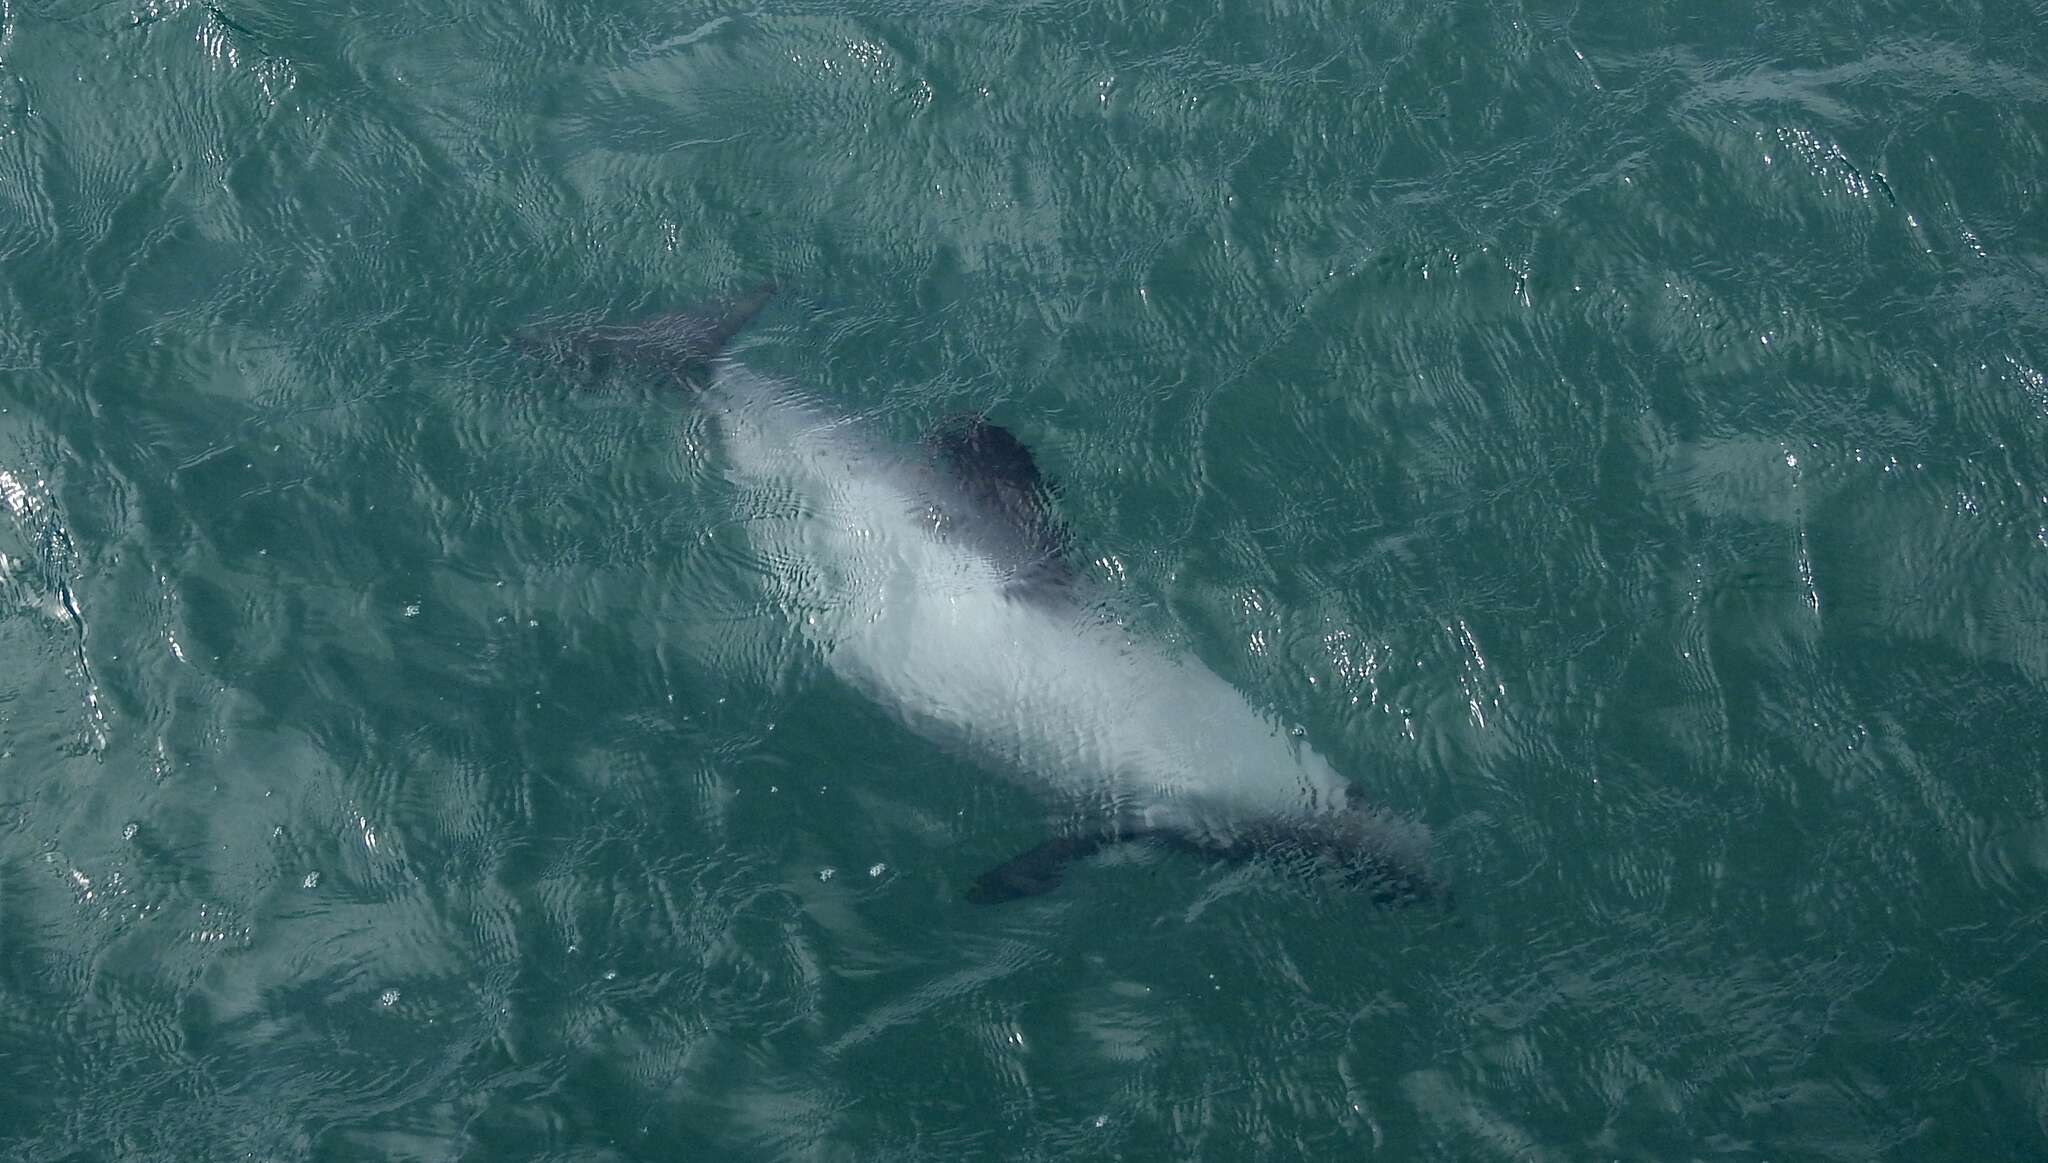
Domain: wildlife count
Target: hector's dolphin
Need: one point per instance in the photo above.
(936, 581)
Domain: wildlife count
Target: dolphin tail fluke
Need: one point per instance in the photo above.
(682, 343)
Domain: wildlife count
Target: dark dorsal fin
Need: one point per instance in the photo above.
(682, 343)
(1012, 503)
(990, 457)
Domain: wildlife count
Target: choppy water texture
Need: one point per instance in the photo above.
(1613, 433)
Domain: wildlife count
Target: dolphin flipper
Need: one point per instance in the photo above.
(1013, 517)
(1036, 871)
(681, 343)
(1382, 877)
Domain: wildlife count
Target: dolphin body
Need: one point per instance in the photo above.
(936, 582)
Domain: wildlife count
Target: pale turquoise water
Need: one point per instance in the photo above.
(1613, 433)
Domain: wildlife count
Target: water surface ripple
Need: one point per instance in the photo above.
(1613, 434)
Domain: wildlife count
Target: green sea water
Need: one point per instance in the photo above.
(1616, 434)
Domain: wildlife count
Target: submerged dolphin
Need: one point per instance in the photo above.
(935, 581)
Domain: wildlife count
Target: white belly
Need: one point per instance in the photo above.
(1045, 690)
